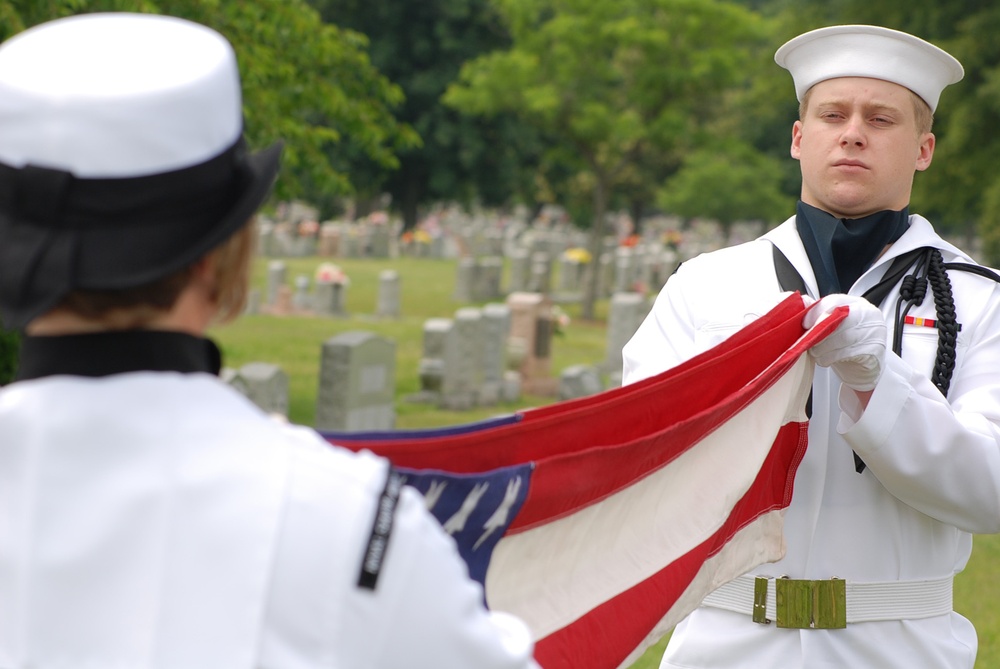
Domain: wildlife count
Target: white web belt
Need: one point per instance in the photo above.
(833, 603)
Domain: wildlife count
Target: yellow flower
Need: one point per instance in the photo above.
(578, 254)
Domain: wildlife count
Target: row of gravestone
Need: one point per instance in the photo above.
(628, 269)
(481, 357)
(326, 296)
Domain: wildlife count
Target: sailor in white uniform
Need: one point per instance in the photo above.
(903, 463)
(150, 516)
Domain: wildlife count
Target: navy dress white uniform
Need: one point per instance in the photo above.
(151, 516)
(159, 519)
(899, 530)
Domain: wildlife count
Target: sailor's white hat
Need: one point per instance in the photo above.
(869, 51)
(122, 156)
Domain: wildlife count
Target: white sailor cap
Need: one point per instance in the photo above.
(869, 51)
(122, 156)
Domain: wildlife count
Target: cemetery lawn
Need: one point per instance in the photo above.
(427, 289)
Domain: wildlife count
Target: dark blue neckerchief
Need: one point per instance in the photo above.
(841, 249)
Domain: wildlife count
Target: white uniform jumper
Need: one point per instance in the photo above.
(159, 519)
(933, 465)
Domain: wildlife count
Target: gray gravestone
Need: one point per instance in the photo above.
(379, 240)
(437, 337)
(464, 376)
(520, 271)
(579, 381)
(541, 273)
(486, 284)
(625, 274)
(357, 382)
(388, 294)
(329, 298)
(266, 386)
(300, 300)
(466, 275)
(276, 271)
(496, 330)
(626, 314)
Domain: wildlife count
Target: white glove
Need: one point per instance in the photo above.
(856, 349)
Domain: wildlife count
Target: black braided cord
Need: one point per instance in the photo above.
(947, 323)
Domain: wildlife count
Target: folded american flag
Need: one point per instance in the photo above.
(603, 521)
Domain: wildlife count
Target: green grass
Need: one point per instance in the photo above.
(427, 288)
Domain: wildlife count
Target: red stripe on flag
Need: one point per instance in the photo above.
(606, 635)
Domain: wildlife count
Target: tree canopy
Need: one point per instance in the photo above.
(612, 81)
(420, 46)
(307, 83)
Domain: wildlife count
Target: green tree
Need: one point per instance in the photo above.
(310, 84)
(420, 46)
(730, 182)
(611, 79)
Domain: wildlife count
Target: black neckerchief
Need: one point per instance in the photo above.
(841, 249)
(117, 352)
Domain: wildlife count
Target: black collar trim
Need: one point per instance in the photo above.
(119, 352)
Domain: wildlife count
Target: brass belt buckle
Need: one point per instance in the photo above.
(760, 600)
(802, 604)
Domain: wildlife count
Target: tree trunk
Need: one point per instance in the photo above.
(409, 202)
(596, 244)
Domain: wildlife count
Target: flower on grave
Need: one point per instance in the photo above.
(630, 241)
(378, 217)
(580, 255)
(560, 321)
(672, 238)
(421, 236)
(330, 273)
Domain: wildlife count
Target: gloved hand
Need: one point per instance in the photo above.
(856, 349)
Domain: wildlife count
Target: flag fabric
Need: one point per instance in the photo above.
(603, 521)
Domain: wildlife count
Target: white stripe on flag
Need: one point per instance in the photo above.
(553, 574)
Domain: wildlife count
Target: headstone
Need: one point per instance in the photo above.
(531, 330)
(232, 378)
(265, 239)
(496, 330)
(486, 283)
(464, 279)
(626, 313)
(267, 386)
(379, 240)
(330, 297)
(510, 390)
(579, 381)
(541, 273)
(357, 382)
(570, 275)
(606, 274)
(388, 294)
(464, 371)
(520, 271)
(300, 300)
(437, 344)
(625, 274)
(276, 272)
(329, 240)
